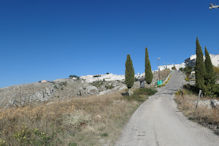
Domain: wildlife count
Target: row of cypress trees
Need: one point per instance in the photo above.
(130, 73)
(205, 76)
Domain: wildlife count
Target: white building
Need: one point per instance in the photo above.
(191, 60)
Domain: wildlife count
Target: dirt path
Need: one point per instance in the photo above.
(157, 122)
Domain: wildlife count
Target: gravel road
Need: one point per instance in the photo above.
(157, 122)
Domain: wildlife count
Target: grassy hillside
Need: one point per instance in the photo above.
(96, 120)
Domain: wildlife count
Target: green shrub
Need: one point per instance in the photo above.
(181, 69)
(187, 70)
(109, 86)
(74, 76)
(98, 84)
(72, 144)
(216, 90)
(2, 142)
(104, 134)
(187, 78)
(179, 93)
(96, 76)
(141, 94)
(26, 136)
(173, 68)
(190, 89)
(216, 70)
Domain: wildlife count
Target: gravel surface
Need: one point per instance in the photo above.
(157, 122)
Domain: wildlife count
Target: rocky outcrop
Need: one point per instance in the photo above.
(92, 90)
(59, 89)
(68, 88)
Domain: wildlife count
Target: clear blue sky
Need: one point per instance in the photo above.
(50, 39)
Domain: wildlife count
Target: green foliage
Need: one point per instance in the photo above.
(104, 135)
(96, 76)
(27, 136)
(142, 94)
(179, 92)
(187, 70)
(129, 72)
(74, 76)
(148, 72)
(2, 142)
(216, 90)
(190, 89)
(216, 70)
(187, 78)
(98, 84)
(101, 83)
(145, 91)
(210, 76)
(181, 69)
(72, 144)
(109, 86)
(199, 68)
(173, 68)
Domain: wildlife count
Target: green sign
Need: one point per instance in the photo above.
(159, 82)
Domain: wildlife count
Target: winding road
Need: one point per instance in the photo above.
(157, 122)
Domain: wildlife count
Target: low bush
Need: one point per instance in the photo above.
(216, 90)
(216, 70)
(141, 94)
(98, 84)
(190, 89)
(74, 76)
(173, 68)
(109, 86)
(187, 79)
(96, 76)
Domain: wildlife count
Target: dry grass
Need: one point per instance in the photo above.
(203, 115)
(164, 74)
(96, 120)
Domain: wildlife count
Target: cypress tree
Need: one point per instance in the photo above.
(129, 72)
(209, 75)
(148, 72)
(199, 68)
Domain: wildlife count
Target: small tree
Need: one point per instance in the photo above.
(210, 76)
(129, 72)
(199, 68)
(148, 72)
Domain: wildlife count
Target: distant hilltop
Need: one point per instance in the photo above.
(191, 62)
